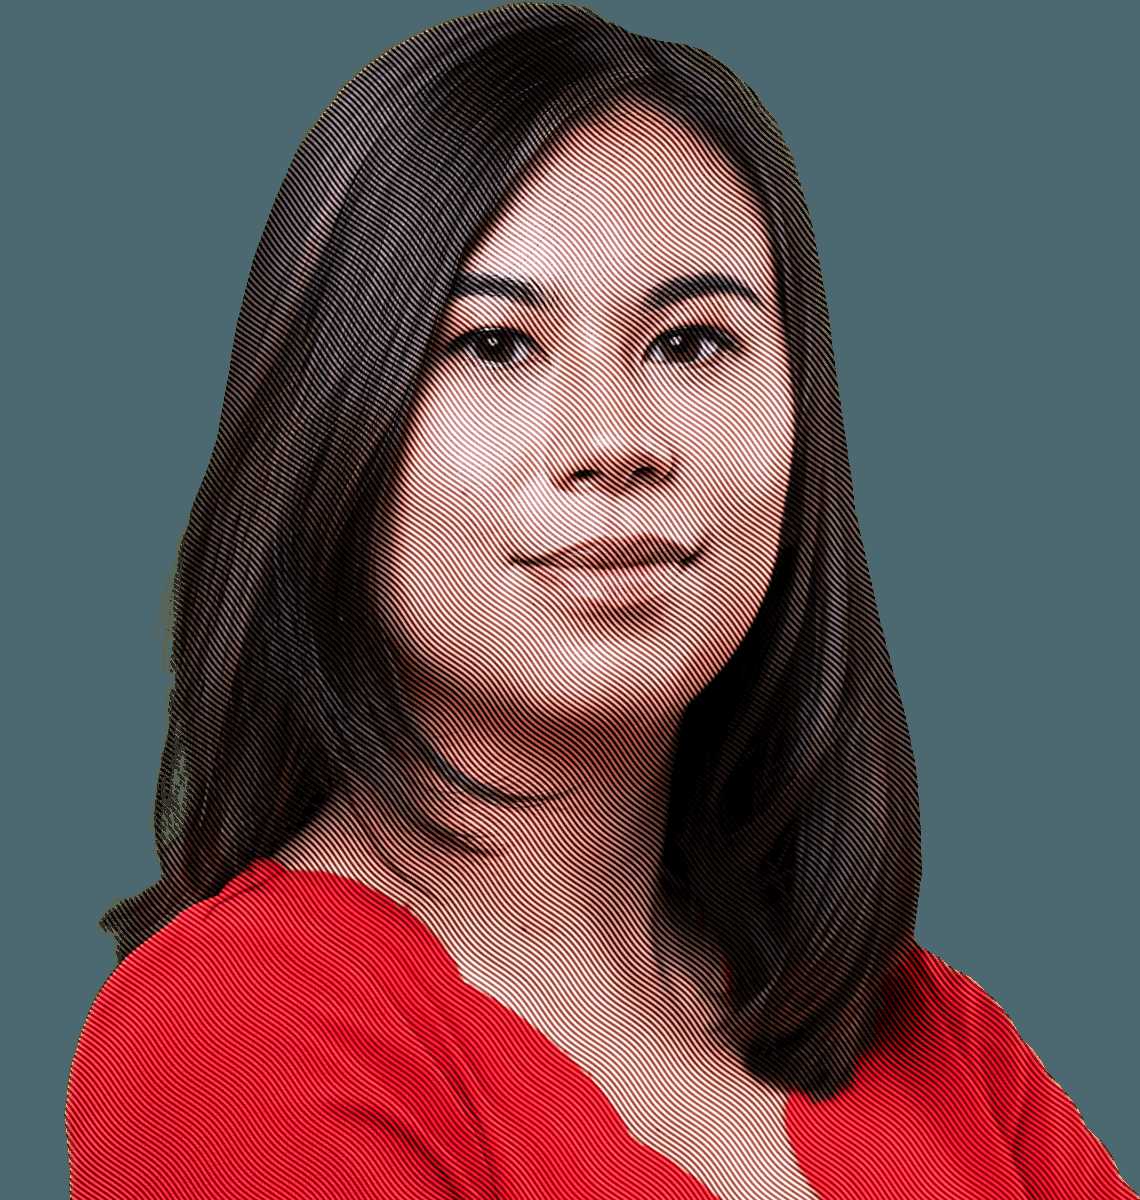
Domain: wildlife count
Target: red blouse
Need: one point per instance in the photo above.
(303, 1035)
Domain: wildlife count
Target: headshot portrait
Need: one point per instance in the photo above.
(538, 815)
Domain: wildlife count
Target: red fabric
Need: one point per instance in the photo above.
(302, 1035)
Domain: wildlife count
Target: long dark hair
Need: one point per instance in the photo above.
(793, 822)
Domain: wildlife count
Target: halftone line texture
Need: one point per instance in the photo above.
(303, 1035)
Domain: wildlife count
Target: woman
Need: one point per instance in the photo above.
(538, 816)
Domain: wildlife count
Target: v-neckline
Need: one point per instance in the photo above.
(661, 1162)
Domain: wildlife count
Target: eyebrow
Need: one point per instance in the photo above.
(662, 295)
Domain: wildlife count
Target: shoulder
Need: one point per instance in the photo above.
(266, 956)
(975, 1019)
(940, 1032)
(275, 1020)
(953, 1017)
(964, 1035)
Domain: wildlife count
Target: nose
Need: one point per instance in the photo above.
(610, 462)
(606, 446)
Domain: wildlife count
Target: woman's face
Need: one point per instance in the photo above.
(592, 411)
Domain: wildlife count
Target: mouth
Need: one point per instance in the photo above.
(611, 553)
(610, 587)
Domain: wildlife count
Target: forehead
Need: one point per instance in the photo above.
(623, 200)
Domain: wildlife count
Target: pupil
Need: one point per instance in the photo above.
(497, 345)
(678, 340)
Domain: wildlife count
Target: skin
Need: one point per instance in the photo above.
(585, 420)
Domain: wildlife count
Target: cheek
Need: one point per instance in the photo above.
(753, 473)
(466, 414)
(451, 471)
(438, 595)
(761, 444)
(438, 558)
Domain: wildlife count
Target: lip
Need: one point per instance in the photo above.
(593, 590)
(616, 553)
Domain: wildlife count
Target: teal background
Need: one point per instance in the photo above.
(970, 171)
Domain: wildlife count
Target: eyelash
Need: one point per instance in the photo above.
(718, 337)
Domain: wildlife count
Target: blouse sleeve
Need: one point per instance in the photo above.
(1053, 1149)
(247, 1092)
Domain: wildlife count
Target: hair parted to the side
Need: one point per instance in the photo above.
(793, 828)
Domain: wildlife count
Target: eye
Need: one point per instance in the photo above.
(687, 336)
(496, 346)
(496, 342)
